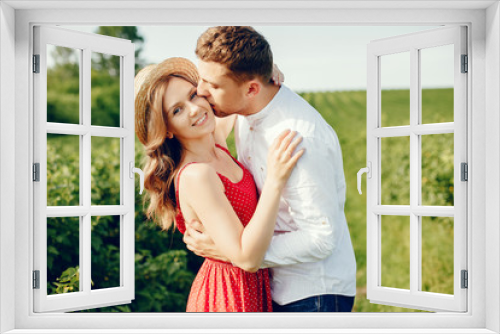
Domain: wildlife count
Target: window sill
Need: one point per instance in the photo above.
(266, 331)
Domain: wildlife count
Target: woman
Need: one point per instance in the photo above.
(190, 174)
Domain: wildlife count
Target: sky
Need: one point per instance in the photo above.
(313, 58)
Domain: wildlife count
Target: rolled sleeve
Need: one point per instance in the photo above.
(313, 204)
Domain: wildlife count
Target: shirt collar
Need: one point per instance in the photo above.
(266, 111)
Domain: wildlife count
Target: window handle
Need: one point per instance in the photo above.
(368, 171)
(139, 171)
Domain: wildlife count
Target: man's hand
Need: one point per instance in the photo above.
(200, 243)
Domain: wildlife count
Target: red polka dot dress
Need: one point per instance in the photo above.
(220, 286)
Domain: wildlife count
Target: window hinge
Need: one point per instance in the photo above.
(465, 171)
(465, 279)
(465, 64)
(36, 172)
(36, 279)
(36, 63)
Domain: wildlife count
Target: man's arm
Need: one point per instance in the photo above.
(314, 198)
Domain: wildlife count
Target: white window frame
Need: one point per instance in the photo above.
(483, 21)
(413, 44)
(84, 44)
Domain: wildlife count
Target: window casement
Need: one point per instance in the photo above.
(53, 214)
(401, 146)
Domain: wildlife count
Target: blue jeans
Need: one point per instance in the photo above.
(322, 303)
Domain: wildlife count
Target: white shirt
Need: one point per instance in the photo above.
(311, 251)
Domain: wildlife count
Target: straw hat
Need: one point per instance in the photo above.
(146, 81)
(141, 76)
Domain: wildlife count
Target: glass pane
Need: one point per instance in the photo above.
(105, 252)
(437, 169)
(105, 90)
(395, 166)
(437, 254)
(63, 84)
(437, 82)
(395, 87)
(105, 171)
(63, 255)
(63, 170)
(395, 260)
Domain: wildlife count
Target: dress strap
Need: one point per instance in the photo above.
(223, 148)
(189, 163)
(229, 153)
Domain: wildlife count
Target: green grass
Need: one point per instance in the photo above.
(346, 112)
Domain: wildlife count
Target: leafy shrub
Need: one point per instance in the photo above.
(162, 281)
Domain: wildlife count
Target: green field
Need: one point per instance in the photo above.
(164, 268)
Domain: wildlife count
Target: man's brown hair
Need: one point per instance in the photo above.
(244, 51)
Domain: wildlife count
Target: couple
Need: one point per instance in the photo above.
(271, 224)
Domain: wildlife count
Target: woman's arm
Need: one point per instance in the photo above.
(223, 127)
(202, 196)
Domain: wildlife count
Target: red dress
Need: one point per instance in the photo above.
(220, 286)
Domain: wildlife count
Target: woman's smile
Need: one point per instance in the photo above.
(201, 120)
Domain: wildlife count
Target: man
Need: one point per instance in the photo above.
(311, 257)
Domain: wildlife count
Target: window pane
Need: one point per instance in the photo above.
(105, 171)
(437, 82)
(395, 238)
(437, 254)
(105, 90)
(437, 169)
(63, 255)
(395, 168)
(105, 252)
(395, 89)
(63, 84)
(63, 170)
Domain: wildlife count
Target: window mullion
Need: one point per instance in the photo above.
(415, 242)
(85, 247)
(81, 178)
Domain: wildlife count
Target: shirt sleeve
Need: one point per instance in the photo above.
(313, 205)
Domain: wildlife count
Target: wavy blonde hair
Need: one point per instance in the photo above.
(163, 155)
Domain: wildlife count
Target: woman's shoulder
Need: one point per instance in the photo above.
(199, 180)
(197, 174)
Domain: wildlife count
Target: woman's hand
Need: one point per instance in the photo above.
(278, 77)
(281, 158)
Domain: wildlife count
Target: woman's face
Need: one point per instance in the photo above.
(189, 116)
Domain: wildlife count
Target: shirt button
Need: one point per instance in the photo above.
(249, 158)
(251, 128)
(262, 168)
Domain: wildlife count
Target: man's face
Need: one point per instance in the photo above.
(223, 93)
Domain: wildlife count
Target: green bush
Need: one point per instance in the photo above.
(162, 277)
